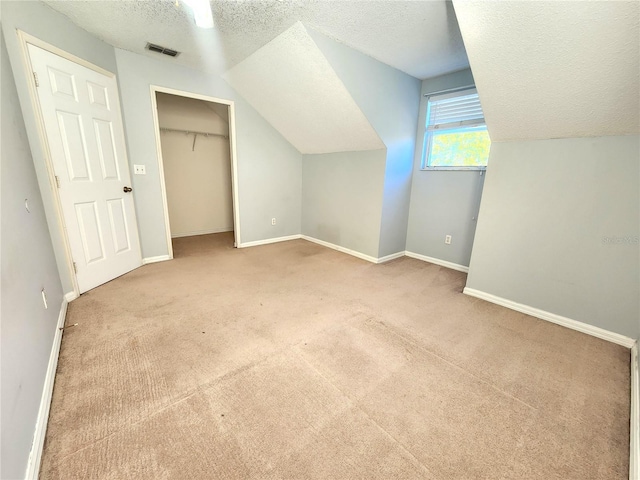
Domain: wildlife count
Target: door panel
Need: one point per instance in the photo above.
(75, 149)
(81, 114)
(118, 220)
(62, 84)
(106, 150)
(98, 95)
(87, 215)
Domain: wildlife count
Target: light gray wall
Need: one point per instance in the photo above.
(342, 198)
(397, 195)
(548, 208)
(36, 19)
(443, 202)
(390, 100)
(28, 266)
(269, 168)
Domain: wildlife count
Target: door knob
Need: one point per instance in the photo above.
(127, 189)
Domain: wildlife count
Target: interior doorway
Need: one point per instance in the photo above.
(197, 165)
(77, 105)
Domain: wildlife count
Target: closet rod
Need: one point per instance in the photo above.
(192, 132)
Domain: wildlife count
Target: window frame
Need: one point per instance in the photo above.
(428, 134)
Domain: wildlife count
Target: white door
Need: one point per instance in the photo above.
(81, 113)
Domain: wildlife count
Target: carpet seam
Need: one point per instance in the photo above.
(141, 390)
(467, 372)
(354, 403)
(199, 389)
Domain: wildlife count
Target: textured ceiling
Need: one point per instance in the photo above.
(418, 37)
(554, 69)
(295, 89)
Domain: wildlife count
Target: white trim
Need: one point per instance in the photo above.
(269, 240)
(159, 258)
(163, 187)
(437, 261)
(24, 39)
(234, 174)
(33, 465)
(197, 96)
(393, 256)
(553, 318)
(71, 296)
(634, 427)
(234, 160)
(202, 232)
(445, 169)
(348, 251)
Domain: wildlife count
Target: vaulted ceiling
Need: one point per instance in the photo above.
(544, 69)
(553, 69)
(420, 38)
(291, 83)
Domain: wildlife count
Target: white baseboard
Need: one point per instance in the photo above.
(634, 427)
(368, 258)
(553, 318)
(437, 261)
(70, 296)
(348, 251)
(159, 258)
(388, 258)
(202, 232)
(269, 240)
(33, 467)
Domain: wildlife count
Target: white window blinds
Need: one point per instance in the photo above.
(448, 111)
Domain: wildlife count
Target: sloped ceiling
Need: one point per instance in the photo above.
(420, 38)
(293, 86)
(554, 69)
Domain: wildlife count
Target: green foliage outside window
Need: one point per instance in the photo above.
(459, 148)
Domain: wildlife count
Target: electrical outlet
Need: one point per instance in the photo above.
(447, 239)
(273, 221)
(139, 170)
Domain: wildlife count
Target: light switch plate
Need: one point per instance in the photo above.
(139, 170)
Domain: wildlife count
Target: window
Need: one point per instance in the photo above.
(456, 136)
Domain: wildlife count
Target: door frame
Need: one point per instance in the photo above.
(24, 39)
(234, 161)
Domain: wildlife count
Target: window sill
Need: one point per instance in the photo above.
(425, 169)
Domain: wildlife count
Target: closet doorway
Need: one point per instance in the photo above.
(198, 170)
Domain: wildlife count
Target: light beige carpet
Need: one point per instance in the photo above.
(295, 361)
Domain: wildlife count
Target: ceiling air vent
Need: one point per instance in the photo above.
(159, 49)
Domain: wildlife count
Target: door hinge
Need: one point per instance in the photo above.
(35, 78)
(75, 267)
(57, 181)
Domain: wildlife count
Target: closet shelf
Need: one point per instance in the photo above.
(193, 132)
